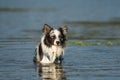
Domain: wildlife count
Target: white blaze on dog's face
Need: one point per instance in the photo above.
(55, 37)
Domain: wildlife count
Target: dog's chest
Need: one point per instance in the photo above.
(57, 50)
(51, 54)
(53, 50)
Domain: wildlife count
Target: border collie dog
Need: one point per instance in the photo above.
(51, 47)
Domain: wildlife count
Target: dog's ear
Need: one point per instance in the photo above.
(47, 29)
(64, 29)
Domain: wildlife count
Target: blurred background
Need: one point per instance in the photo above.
(93, 38)
(87, 19)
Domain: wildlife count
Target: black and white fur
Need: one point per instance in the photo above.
(51, 47)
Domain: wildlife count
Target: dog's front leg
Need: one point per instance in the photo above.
(61, 59)
(53, 57)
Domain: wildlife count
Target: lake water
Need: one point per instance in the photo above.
(92, 52)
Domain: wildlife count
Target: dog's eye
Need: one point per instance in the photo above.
(53, 37)
(61, 38)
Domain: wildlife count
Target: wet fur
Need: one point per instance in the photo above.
(52, 43)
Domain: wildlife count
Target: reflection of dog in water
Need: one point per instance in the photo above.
(51, 72)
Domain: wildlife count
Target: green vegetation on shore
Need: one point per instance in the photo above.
(94, 43)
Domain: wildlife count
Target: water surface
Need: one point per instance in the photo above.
(92, 51)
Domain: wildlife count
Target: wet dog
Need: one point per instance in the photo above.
(51, 47)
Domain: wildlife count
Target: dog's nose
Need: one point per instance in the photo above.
(58, 42)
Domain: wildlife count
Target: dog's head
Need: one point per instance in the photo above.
(56, 37)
